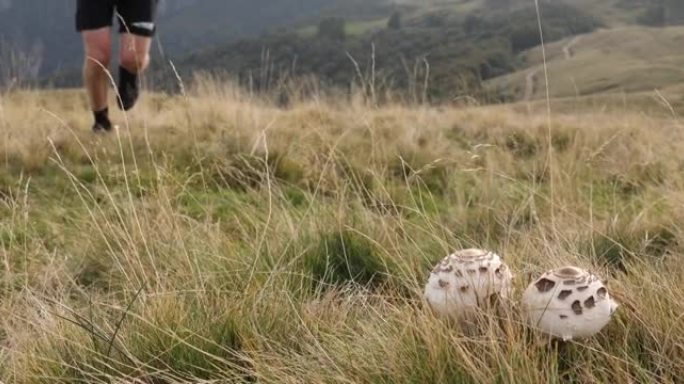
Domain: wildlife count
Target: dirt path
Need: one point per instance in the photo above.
(531, 78)
(530, 84)
(567, 48)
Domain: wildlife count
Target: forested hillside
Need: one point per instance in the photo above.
(440, 49)
(454, 51)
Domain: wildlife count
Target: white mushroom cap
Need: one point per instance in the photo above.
(568, 303)
(467, 280)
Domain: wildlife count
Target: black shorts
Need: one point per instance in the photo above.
(135, 16)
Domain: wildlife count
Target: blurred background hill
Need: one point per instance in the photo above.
(437, 50)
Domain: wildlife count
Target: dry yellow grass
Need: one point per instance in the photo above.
(216, 238)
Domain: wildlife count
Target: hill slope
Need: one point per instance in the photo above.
(45, 28)
(434, 52)
(630, 59)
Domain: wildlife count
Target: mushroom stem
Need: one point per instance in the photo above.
(562, 350)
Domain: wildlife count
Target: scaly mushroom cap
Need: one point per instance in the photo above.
(467, 280)
(568, 303)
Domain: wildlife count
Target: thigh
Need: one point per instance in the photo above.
(136, 17)
(94, 14)
(98, 44)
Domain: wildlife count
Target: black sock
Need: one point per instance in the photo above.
(128, 88)
(102, 118)
(127, 77)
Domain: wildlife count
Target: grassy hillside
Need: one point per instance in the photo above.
(431, 53)
(216, 238)
(630, 59)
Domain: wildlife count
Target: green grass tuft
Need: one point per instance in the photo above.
(344, 257)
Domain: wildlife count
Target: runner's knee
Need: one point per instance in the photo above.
(98, 46)
(133, 61)
(98, 56)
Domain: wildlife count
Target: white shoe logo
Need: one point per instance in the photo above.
(143, 25)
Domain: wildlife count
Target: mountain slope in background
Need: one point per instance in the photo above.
(464, 42)
(44, 29)
(438, 52)
(630, 59)
(204, 23)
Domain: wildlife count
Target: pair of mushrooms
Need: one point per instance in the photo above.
(567, 303)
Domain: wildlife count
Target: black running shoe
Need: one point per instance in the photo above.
(128, 89)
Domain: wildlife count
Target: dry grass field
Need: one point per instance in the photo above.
(215, 238)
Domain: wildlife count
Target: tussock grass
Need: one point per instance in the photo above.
(216, 238)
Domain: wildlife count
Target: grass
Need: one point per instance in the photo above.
(216, 238)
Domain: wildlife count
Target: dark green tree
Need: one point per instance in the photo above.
(498, 4)
(674, 12)
(653, 15)
(436, 20)
(472, 24)
(394, 21)
(332, 28)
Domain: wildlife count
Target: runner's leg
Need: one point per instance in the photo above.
(97, 45)
(94, 20)
(137, 29)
